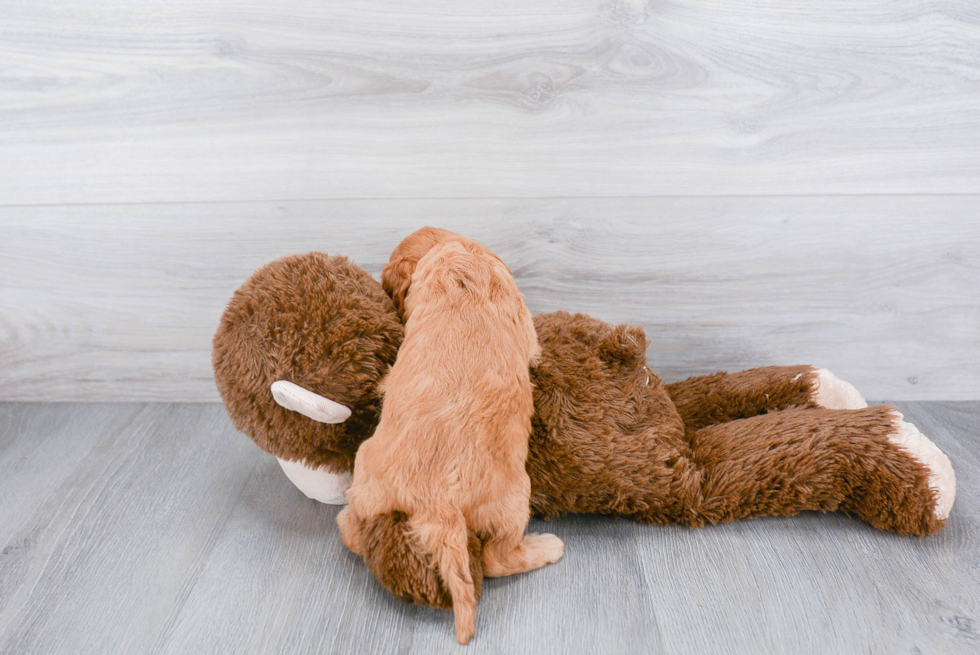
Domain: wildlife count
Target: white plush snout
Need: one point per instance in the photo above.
(317, 483)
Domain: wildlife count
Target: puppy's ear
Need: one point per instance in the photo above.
(396, 278)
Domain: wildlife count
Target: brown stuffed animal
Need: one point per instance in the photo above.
(608, 436)
(307, 322)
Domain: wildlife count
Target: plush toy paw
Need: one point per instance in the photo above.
(831, 392)
(317, 483)
(942, 478)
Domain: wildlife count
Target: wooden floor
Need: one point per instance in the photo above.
(157, 528)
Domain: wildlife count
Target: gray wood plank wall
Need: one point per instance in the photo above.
(757, 183)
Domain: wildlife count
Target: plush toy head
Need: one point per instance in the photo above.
(322, 323)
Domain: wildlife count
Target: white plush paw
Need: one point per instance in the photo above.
(317, 483)
(942, 478)
(833, 393)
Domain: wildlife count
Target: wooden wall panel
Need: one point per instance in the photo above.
(213, 100)
(119, 302)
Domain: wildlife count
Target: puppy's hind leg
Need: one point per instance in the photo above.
(350, 531)
(532, 552)
(508, 550)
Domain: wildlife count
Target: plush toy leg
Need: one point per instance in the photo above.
(318, 484)
(868, 462)
(711, 399)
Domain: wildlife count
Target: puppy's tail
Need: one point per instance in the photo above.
(449, 545)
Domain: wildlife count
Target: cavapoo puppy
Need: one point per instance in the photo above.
(450, 448)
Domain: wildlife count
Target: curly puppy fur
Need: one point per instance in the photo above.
(450, 448)
(322, 323)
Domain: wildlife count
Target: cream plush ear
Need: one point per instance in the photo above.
(294, 397)
(316, 483)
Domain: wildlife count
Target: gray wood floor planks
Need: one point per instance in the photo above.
(247, 100)
(109, 551)
(156, 528)
(115, 302)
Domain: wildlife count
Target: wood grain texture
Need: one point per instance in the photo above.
(116, 541)
(215, 100)
(120, 302)
(167, 532)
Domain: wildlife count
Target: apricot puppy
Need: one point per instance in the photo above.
(450, 448)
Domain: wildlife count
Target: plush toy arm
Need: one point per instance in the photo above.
(294, 397)
(711, 399)
(316, 483)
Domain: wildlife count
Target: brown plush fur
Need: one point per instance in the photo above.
(607, 441)
(450, 448)
(322, 323)
(604, 440)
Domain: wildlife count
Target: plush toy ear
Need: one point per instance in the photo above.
(624, 345)
(294, 397)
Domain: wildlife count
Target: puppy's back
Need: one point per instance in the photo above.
(461, 380)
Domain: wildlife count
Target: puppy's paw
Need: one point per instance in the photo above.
(350, 531)
(545, 548)
(830, 392)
